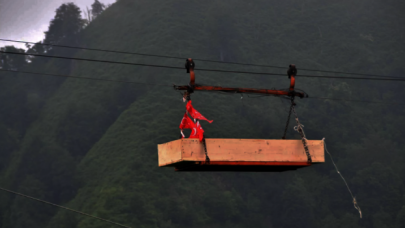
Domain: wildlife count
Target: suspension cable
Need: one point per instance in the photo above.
(204, 60)
(122, 81)
(360, 101)
(65, 208)
(88, 78)
(208, 70)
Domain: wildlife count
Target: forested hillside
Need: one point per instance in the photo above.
(92, 145)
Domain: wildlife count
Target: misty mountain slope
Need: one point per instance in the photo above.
(54, 137)
(53, 145)
(124, 163)
(93, 145)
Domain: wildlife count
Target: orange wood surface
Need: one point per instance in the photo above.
(239, 150)
(170, 152)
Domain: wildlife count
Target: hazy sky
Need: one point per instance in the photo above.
(27, 20)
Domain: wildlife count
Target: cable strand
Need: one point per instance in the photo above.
(356, 206)
(65, 208)
(204, 60)
(88, 78)
(207, 70)
(219, 92)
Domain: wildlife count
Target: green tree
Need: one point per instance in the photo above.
(37, 48)
(401, 217)
(28, 213)
(12, 61)
(97, 8)
(66, 25)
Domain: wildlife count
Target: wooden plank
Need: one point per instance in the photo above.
(170, 153)
(193, 150)
(241, 150)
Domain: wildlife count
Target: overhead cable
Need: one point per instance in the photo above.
(360, 101)
(204, 60)
(122, 81)
(208, 70)
(335, 99)
(88, 78)
(65, 208)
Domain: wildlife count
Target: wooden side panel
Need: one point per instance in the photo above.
(317, 150)
(193, 150)
(252, 150)
(170, 152)
(241, 150)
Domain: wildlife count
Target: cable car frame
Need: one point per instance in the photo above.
(242, 155)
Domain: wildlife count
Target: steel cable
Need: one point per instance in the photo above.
(65, 208)
(208, 70)
(204, 60)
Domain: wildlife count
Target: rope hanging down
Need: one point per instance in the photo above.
(55, 205)
(288, 119)
(356, 206)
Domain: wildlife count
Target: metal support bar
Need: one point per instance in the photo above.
(240, 90)
(207, 159)
(191, 87)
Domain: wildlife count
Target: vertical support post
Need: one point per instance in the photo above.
(292, 72)
(292, 83)
(190, 69)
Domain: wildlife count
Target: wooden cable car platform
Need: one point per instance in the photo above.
(246, 155)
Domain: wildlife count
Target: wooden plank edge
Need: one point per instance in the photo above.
(248, 163)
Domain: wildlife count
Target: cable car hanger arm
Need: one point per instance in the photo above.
(191, 87)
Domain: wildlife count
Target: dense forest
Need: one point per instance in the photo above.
(92, 145)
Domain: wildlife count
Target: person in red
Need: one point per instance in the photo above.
(198, 132)
(186, 123)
